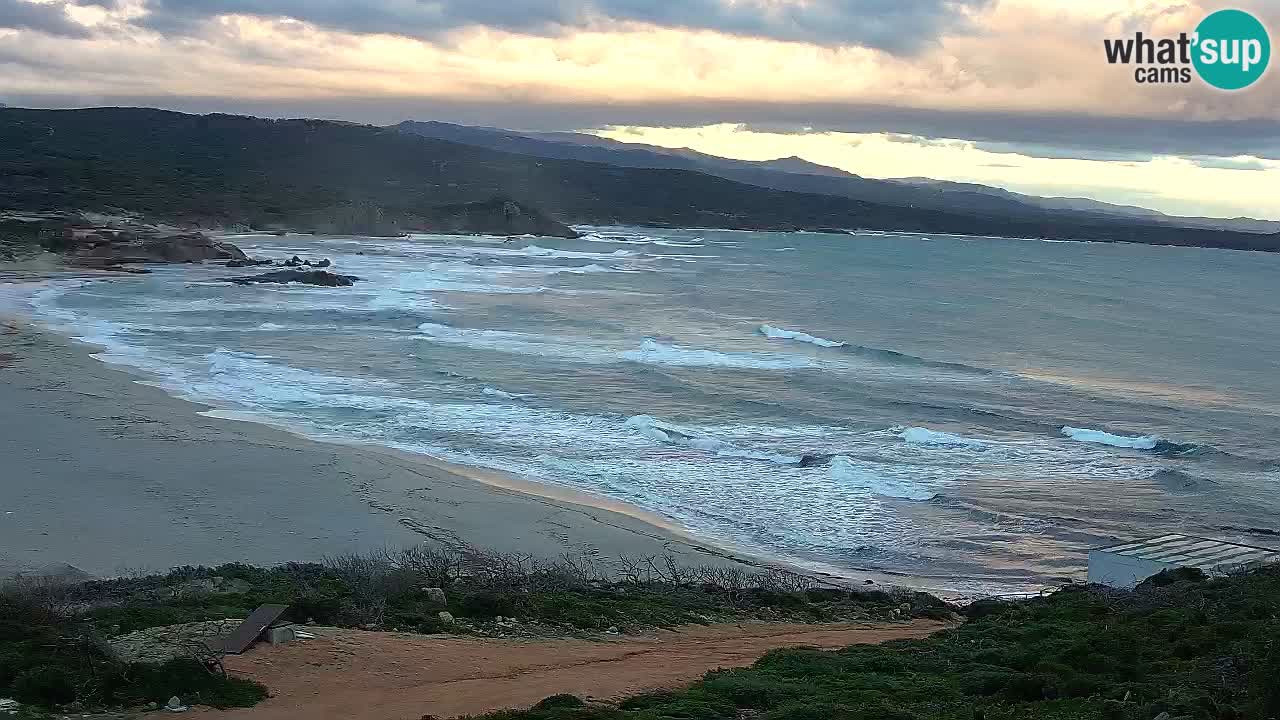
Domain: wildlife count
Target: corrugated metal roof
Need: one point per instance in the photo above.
(1193, 551)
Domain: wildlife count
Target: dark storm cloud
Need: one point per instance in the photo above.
(1054, 152)
(1132, 139)
(48, 18)
(894, 25)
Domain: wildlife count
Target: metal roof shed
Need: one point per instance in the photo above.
(1124, 566)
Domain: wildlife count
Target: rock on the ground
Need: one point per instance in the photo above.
(308, 277)
(435, 595)
(161, 644)
(445, 617)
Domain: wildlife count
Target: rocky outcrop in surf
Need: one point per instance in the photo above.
(109, 248)
(496, 216)
(312, 277)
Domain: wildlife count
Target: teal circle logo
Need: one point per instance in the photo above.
(1232, 49)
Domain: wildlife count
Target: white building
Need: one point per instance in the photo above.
(1124, 566)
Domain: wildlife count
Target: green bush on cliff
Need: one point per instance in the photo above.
(50, 657)
(385, 590)
(1180, 644)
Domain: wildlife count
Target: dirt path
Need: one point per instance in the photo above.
(388, 676)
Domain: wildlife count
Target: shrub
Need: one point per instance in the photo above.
(45, 686)
(559, 701)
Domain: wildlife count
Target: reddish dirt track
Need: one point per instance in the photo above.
(391, 676)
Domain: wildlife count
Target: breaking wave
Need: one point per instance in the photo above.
(1099, 437)
(846, 471)
(925, 436)
(650, 352)
(670, 434)
(888, 357)
(770, 331)
(653, 352)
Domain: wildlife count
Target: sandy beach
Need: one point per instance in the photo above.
(114, 476)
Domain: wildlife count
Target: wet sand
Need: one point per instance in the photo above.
(113, 476)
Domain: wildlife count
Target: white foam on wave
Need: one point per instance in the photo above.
(1140, 442)
(925, 436)
(770, 331)
(653, 352)
(650, 352)
(617, 239)
(495, 392)
(519, 343)
(668, 433)
(537, 251)
(846, 471)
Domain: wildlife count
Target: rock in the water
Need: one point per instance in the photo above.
(294, 261)
(498, 216)
(435, 595)
(307, 277)
(105, 248)
(814, 460)
(250, 262)
(323, 263)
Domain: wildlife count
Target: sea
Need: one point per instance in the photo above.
(962, 414)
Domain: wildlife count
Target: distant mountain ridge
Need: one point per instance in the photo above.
(799, 175)
(218, 170)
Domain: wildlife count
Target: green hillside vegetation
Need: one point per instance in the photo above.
(1180, 644)
(311, 174)
(54, 639)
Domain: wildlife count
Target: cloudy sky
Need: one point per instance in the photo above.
(1015, 93)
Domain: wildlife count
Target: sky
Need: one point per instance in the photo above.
(1013, 93)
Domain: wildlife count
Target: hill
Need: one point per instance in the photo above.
(220, 169)
(1180, 646)
(799, 175)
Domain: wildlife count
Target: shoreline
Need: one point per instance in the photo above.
(632, 531)
(382, 496)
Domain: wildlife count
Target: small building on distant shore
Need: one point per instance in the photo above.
(1124, 566)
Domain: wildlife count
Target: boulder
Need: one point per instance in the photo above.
(249, 262)
(498, 216)
(107, 248)
(445, 617)
(322, 278)
(814, 460)
(435, 595)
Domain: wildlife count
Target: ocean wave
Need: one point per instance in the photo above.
(846, 471)
(770, 331)
(1178, 481)
(518, 343)
(668, 433)
(925, 436)
(1099, 437)
(537, 251)
(650, 352)
(495, 392)
(653, 352)
(892, 357)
